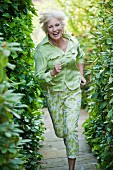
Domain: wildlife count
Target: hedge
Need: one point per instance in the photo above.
(16, 26)
(99, 125)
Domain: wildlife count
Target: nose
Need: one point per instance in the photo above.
(54, 28)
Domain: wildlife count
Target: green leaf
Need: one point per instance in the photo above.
(4, 151)
(110, 113)
(111, 101)
(15, 114)
(6, 52)
(15, 49)
(16, 161)
(109, 41)
(6, 15)
(110, 80)
(12, 150)
(13, 44)
(11, 66)
(8, 134)
(21, 106)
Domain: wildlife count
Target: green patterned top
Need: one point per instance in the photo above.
(48, 55)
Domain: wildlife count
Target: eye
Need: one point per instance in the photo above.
(57, 24)
(50, 26)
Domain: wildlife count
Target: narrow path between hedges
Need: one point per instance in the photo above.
(53, 150)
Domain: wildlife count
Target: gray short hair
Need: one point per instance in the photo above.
(45, 17)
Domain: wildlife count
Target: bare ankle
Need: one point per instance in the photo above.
(71, 163)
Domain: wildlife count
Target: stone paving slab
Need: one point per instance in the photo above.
(54, 153)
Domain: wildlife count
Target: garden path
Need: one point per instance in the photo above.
(53, 150)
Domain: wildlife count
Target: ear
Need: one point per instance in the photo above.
(63, 31)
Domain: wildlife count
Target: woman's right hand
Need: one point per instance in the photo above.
(57, 69)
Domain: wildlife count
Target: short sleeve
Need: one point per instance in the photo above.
(80, 55)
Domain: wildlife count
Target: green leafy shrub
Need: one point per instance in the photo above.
(16, 26)
(10, 141)
(99, 125)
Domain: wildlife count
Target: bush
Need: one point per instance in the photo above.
(16, 26)
(10, 141)
(99, 126)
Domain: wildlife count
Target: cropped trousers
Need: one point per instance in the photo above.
(64, 108)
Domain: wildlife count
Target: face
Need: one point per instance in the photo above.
(54, 29)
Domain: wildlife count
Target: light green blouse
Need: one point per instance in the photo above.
(48, 55)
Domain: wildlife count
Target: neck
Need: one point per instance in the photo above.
(58, 42)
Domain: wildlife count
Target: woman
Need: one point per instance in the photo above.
(59, 64)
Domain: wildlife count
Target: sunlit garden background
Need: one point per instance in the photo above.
(21, 97)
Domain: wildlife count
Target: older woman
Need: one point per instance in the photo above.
(59, 64)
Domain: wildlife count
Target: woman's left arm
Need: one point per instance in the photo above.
(81, 68)
(80, 64)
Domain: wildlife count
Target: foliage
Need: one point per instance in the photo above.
(16, 26)
(99, 126)
(10, 141)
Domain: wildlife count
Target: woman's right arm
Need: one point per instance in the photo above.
(41, 67)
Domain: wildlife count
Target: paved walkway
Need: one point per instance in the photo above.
(53, 150)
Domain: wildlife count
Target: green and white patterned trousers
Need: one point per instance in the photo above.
(64, 108)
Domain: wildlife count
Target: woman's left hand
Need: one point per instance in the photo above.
(83, 81)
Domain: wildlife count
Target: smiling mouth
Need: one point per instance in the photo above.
(55, 34)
